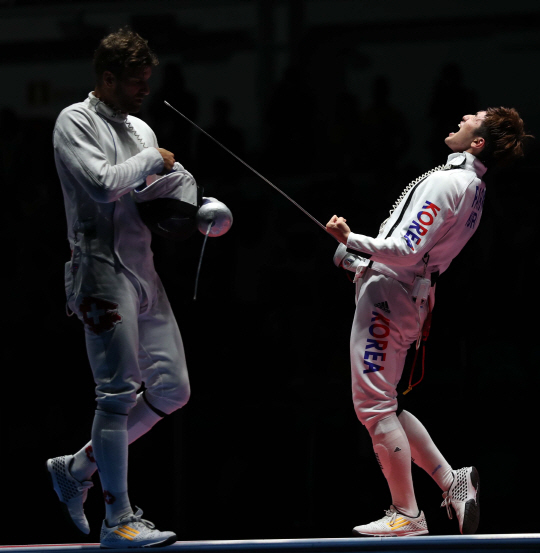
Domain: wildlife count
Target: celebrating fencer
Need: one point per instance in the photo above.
(108, 162)
(395, 276)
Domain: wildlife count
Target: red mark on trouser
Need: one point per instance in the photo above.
(99, 315)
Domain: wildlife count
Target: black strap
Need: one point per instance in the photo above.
(155, 409)
(405, 206)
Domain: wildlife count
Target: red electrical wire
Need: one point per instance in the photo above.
(425, 334)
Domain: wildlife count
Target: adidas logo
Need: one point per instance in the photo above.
(400, 522)
(127, 532)
(397, 449)
(383, 306)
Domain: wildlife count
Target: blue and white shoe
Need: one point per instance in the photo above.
(133, 531)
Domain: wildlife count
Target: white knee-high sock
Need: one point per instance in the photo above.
(110, 444)
(424, 451)
(140, 420)
(394, 456)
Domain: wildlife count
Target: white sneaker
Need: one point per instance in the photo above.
(134, 531)
(463, 495)
(394, 524)
(71, 492)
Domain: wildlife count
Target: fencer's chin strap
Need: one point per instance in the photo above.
(155, 409)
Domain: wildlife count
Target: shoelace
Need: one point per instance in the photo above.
(447, 502)
(393, 515)
(137, 517)
(407, 189)
(86, 485)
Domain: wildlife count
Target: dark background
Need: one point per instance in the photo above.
(340, 103)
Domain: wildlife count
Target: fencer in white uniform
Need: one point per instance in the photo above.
(395, 275)
(104, 157)
(433, 222)
(111, 282)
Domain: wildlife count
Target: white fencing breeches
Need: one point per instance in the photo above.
(131, 339)
(385, 324)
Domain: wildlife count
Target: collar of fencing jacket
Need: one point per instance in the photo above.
(103, 109)
(465, 160)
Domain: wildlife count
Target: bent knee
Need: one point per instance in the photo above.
(168, 399)
(370, 412)
(120, 403)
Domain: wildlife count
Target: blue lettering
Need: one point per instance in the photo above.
(377, 344)
(372, 367)
(375, 355)
(418, 228)
(383, 325)
(433, 208)
(472, 220)
(409, 243)
(416, 238)
(479, 197)
(379, 317)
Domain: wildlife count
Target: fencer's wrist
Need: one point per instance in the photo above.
(162, 170)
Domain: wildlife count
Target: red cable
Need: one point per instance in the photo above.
(425, 333)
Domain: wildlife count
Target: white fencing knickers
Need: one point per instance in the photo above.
(130, 339)
(386, 323)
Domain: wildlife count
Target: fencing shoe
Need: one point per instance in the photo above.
(71, 492)
(133, 531)
(394, 524)
(463, 496)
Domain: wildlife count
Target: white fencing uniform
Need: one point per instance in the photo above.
(428, 229)
(111, 284)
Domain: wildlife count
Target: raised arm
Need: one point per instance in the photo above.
(77, 144)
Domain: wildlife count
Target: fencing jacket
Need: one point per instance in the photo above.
(102, 155)
(436, 218)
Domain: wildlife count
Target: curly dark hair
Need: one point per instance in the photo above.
(121, 50)
(504, 133)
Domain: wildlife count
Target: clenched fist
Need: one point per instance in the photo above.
(168, 160)
(338, 228)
